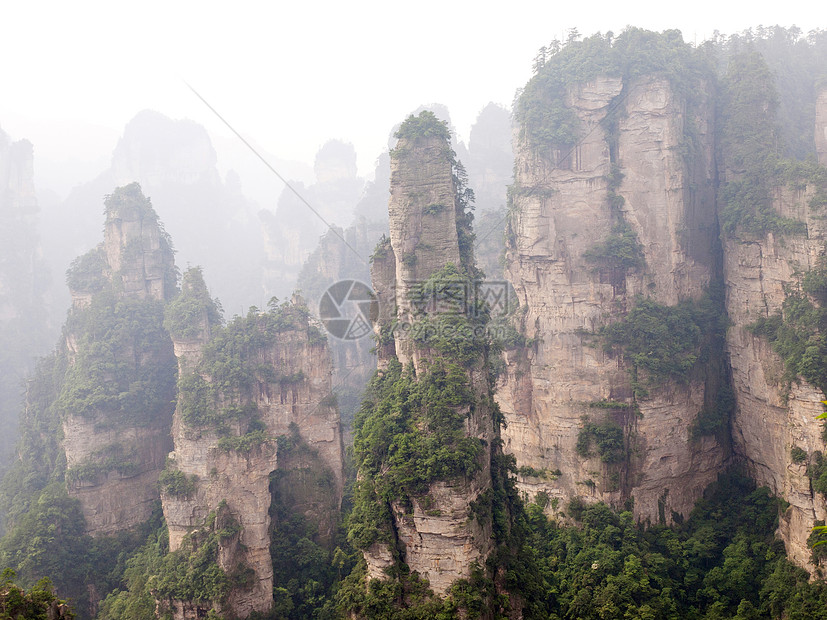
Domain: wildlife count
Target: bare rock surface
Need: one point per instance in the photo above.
(563, 207)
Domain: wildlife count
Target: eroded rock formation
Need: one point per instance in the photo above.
(117, 400)
(253, 389)
(566, 201)
(775, 416)
(433, 530)
(23, 332)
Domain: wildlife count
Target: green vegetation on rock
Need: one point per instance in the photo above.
(451, 322)
(305, 542)
(87, 273)
(424, 125)
(410, 432)
(228, 363)
(606, 435)
(541, 111)
(50, 540)
(112, 458)
(245, 443)
(38, 603)
(186, 315)
(714, 418)
(817, 472)
(192, 572)
(176, 483)
(129, 203)
(798, 455)
(124, 370)
(665, 342)
(723, 562)
(153, 577)
(620, 250)
(41, 458)
(797, 332)
(750, 147)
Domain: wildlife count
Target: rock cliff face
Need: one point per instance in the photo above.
(629, 173)
(645, 188)
(771, 417)
(116, 410)
(423, 226)
(225, 434)
(18, 210)
(433, 530)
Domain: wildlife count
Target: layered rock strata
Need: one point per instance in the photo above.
(434, 533)
(566, 201)
(116, 443)
(226, 446)
(773, 417)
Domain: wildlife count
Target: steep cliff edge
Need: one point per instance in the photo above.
(427, 436)
(248, 392)
(115, 403)
(612, 231)
(773, 417)
(774, 246)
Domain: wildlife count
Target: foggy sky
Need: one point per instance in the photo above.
(290, 76)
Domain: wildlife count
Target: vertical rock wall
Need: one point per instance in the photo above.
(423, 225)
(772, 418)
(240, 479)
(18, 213)
(136, 264)
(24, 333)
(562, 206)
(821, 126)
(435, 535)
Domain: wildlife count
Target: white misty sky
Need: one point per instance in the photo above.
(291, 75)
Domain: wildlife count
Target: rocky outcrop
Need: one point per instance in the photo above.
(433, 531)
(566, 201)
(423, 226)
(175, 163)
(18, 210)
(120, 496)
(772, 417)
(229, 429)
(116, 441)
